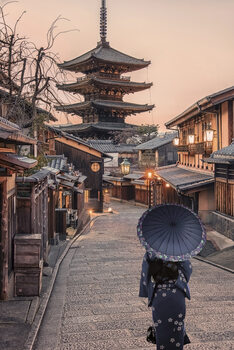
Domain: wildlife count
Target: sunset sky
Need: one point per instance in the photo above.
(189, 42)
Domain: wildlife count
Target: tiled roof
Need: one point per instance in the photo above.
(104, 53)
(157, 142)
(95, 80)
(12, 132)
(35, 178)
(134, 176)
(202, 105)
(108, 146)
(182, 179)
(59, 131)
(17, 161)
(57, 161)
(224, 155)
(100, 125)
(105, 104)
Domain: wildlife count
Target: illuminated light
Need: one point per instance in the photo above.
(90, 212)
(209, 135)
(167, 185)
(176, 141)
(191, 139)
(158, 178)
(106, 191)
(125, 167)
(110, 210)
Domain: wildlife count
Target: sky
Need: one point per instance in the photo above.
(190, 44)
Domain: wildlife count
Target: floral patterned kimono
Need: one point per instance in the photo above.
(168, 305)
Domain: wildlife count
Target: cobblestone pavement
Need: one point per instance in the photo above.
(95, 303)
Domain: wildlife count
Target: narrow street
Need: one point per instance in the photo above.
(95, 303)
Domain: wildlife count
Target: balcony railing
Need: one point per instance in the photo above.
(197, 148)
(182, 148)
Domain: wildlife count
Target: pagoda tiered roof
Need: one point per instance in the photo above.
(120, 106)
(103, 87)
(98, 126)
(101, 56)
(90, 83)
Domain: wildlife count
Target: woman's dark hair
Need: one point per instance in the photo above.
(163, 270)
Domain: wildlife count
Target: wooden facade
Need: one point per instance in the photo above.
(10, 165)
(224, 188)
(88, 160)
(157, 157)
(123, 190)
(32, 208)
(205, 128)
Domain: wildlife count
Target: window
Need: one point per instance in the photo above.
(86, 196)
(170, 156)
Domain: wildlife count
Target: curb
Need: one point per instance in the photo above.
(214, 264)
(45, 299)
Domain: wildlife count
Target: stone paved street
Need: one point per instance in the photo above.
(95, 303)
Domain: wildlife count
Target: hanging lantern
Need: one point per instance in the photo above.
(125, 167)
(191, 139)
(209, 135)
(176, 141)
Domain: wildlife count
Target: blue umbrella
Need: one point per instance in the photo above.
(171, 232)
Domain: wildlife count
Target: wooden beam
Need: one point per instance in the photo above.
(230, 122)
(7, 150)
(81, 147)
(4, 243)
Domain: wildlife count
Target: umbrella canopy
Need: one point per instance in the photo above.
(171, 232)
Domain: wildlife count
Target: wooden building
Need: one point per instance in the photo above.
(32, 208)
(223, 217)
(103, 88)
(159, 151)
(203, 128)
(11, 164)
(118, 152)
(89, 161)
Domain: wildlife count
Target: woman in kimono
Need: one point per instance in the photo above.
(165, 284)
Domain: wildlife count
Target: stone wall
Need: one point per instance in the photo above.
(223, 224)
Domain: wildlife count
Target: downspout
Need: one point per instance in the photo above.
(218, 116)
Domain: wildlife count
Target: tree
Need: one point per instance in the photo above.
(28, 75)
(136, 135)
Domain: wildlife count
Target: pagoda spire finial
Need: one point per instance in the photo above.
(103, 22)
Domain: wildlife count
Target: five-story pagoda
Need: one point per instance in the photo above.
(103, 88)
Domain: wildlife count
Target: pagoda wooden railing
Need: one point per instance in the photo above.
(106, 76)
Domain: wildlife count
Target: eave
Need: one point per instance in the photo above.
(15, 162)
(103, 55)
(126, 108)
(92, 83)
(206, 104)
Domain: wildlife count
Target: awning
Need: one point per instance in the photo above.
(78, 190)
(183, 180)
(15, 161)
(134, 176)
(82, 178)
(67, 184)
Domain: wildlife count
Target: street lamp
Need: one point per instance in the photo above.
(176, 141)
(191, 139)
(209, 135)
(149, 177)
(125, 167)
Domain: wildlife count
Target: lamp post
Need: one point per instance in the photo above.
(125, 167)
(125, 170)
(149, 177)
(209, 135)
(176, 141)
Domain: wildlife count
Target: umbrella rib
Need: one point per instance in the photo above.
(158, 237)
